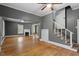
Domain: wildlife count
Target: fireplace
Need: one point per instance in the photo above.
(27, 32)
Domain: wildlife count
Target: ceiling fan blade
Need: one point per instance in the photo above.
(56, 3)
(46, 5)
(43, 7)
(42, 3)
(52, 8)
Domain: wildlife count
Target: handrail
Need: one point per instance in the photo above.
(62, 26)
(71, 33)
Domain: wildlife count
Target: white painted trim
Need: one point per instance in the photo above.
(2, 40)
(0, 48)
(27, 30)
(3, 28)
(60, 45)
(33, 27)
(13, 35)
(77, 27)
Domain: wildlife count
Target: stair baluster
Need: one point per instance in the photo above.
(71, 44)
(65, 36)
(61, 34)
(57, 32)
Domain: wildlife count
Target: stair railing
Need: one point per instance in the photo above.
(58, 26)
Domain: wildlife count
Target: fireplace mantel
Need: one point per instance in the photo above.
(26, 30)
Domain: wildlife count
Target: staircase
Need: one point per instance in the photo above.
(64, 34)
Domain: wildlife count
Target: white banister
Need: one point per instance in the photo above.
(54, 28)
(61, 33)
(62, 26)
(58, 26)
(71, 43)
(69, 30)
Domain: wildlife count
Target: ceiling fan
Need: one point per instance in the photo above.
(49, 5)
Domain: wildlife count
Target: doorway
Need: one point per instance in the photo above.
(35, 28)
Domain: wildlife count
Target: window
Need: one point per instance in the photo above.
(20, 29)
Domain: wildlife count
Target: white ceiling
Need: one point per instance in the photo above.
(35, 8)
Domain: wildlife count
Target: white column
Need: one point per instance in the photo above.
(77, 31)
(71, 44)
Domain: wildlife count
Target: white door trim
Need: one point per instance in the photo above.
(3, 28)
(77, 31)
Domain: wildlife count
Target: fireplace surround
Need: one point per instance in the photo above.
(26, 32)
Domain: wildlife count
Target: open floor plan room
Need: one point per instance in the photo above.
(39, 29)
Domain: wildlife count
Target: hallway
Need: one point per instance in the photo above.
(24, 46)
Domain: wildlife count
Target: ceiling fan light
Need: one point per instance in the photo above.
(22, 20)
(49, 5)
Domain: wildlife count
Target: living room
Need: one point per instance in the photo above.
(35, 27)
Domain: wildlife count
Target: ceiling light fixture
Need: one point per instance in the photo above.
(49, 5)
(22, 20)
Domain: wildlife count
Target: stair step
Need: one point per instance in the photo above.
(67, 41)
(76, 46)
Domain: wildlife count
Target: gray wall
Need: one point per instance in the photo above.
(27, 26)
(72, 16)
(1, 26)
(47, 24)
(1, 29)
(17, 14)
(11, 27)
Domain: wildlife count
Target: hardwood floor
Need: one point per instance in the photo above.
(24, 46)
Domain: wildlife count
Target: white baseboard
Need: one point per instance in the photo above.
(60, 45)
(1, 43)
(13, 35)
